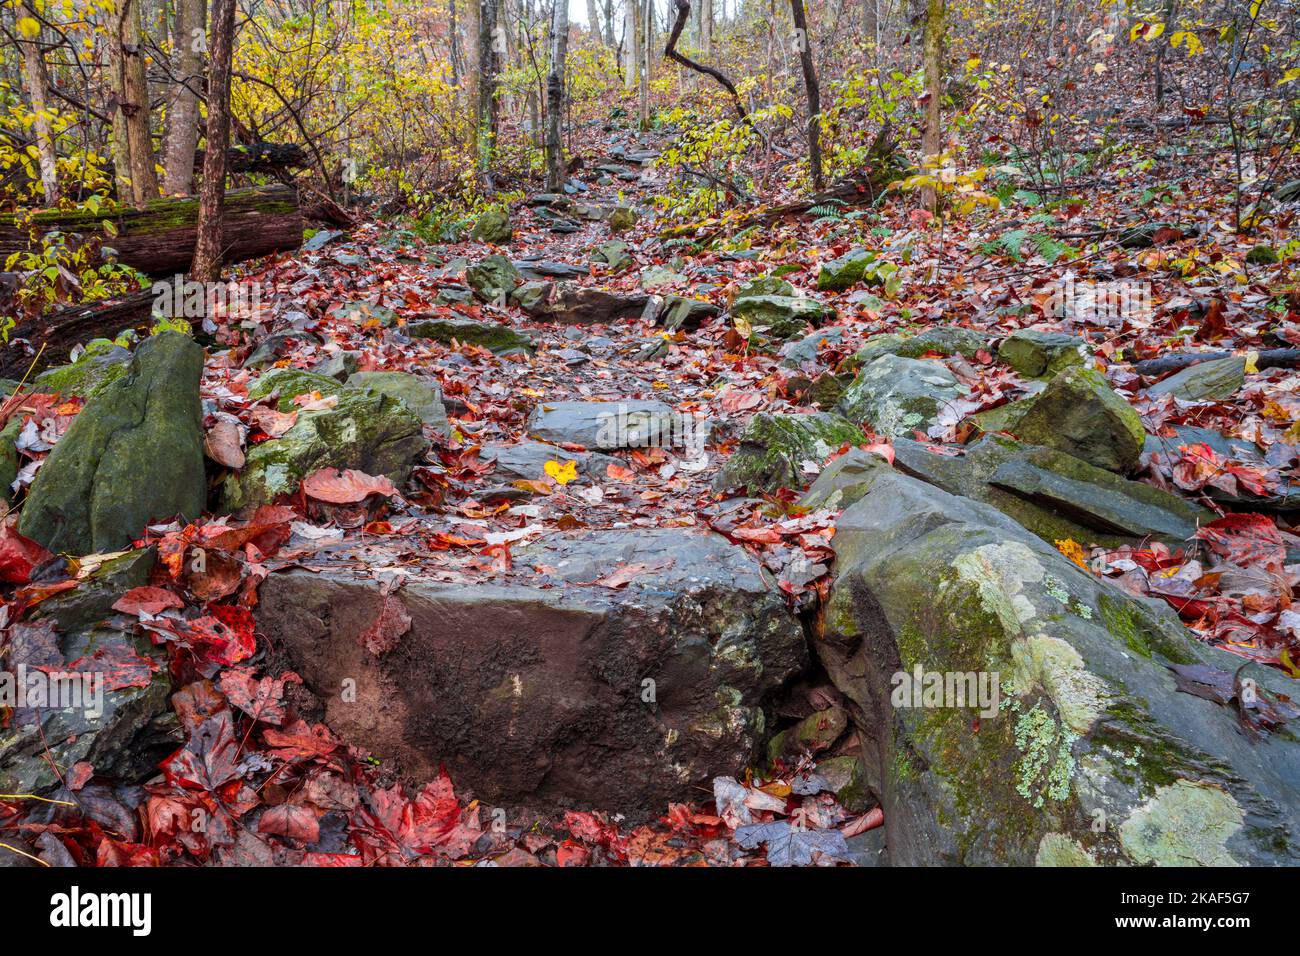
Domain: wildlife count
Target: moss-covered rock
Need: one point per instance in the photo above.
(9, 455)
(1033, 352)
(764, 285)
(1087, 752)
(288, 383)
(493, 226)
(492, 278)
(780, 316)
(845, 272)
(1078, 413)
(895, 395)
(420, 396)
(939, 340)
(102, 362)
(615, 254)
(774, 450)
(489, 335)
(366, 430)
(846, 777)
(622, 218)
(133, 456)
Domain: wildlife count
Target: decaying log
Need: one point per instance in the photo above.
(260, 157)
(1265, 358)
(159, 238)
(62, 329)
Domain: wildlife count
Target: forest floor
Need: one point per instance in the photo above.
(272, 783)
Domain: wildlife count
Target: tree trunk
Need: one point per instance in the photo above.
(555, 96)
(632, 43)
(931, 136)
(183, 105)
(221, 44)
(593, 20)
(491, 44)
(871, 23)
(706, 28)
(34, 78)
(132, 147)
(646, 9)
(812, 89)
(159, 237)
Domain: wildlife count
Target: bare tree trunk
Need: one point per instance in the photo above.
(812, 89)
(472, 18)
(132, 148)
(593, 20)
(183, 106)
(491, 44)
(37, 83)
(643, 41)
(931, 135)
(555, 96)
(871, 22)
(212, 193)
(706, 28)
(453, 35)
(632, 41)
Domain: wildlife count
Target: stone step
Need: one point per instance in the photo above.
(549, 689)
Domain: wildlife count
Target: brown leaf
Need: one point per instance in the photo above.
(345, 487)
(223, 444)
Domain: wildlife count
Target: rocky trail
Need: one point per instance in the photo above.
(571, 544)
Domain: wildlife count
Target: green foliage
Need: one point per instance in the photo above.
(65, 271)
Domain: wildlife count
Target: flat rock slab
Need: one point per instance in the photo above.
(527, 461)
(558, 691)
(634, 423)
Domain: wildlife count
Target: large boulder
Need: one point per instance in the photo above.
(1078, 413)
(1084, 751)
(784, 450)
(365, 430)
(133, 456)
(100, 363)
(553, 690)
(895, 395)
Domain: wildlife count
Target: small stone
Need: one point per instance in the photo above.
(492, 278)
(497, 338)
(779, 316)
(784, 450)
(493, 226)
(896, 395)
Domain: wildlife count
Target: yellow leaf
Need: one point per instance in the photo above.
(1251, 359)
(1072, 550)
(742, 326)
(29, 28)
(561, 474)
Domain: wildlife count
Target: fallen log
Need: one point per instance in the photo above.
(62, 329)
(1266, 358)
(159, 238)
(259, 157)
